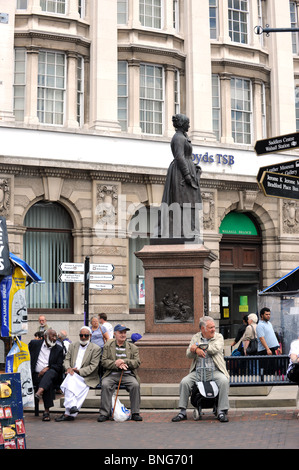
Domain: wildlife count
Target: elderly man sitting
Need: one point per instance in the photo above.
(120, 361)
(214, 359)
(81, 366)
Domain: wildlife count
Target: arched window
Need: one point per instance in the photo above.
(47, 243)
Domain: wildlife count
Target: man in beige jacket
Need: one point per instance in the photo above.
(214, 359)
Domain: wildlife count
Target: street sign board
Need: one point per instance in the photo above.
(285, 168)
(277, 144)
(101, 286)
(70, 277)
(104, 268)
(71, 267)
(101, 277)
(279, 185)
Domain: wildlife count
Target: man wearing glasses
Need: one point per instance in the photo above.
(81, 367)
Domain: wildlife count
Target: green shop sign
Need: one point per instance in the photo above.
(236, 223)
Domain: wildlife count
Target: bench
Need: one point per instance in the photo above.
(258, 370)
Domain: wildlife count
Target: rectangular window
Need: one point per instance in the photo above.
(81, 8)
(122, 11)
(21, 4)
(260, 19)
(264, 122)
(176, 15)
(177, 95)
(297, 107)
(216, 105)
(151, 99)
(51, 88)
(241, 107)
(238, 20)
(150, 13)
(294, 24)
(19, 84)
(213, 11)
(80, 91)
(122, 100)
(53, 6)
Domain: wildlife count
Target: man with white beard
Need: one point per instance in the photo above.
(46, 359)
(81, 365)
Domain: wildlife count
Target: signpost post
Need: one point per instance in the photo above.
(83, 275)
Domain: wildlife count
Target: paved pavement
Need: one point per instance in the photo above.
(247, 429)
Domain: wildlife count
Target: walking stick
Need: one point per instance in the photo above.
(121, 375)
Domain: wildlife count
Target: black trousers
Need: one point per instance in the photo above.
(48, 382)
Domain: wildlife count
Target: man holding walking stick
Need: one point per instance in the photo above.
(120, 361)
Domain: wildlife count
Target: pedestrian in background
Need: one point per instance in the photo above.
(267, 341)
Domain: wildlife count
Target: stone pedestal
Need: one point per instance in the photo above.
(176, 296)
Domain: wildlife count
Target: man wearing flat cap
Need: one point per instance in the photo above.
(119, 355)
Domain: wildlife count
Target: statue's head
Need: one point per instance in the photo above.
(181, 121)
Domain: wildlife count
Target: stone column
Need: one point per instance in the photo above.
(198, 70)
(31, 87)
(71, 106)
(282, 69)
(133, 96)
(7, 10)
(225, 98)
(103, 67)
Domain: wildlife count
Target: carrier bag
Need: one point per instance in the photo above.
(121, 413)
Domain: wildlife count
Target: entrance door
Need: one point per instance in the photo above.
(240, 271)
(236, 300)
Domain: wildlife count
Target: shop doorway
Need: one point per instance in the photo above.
(240, 271)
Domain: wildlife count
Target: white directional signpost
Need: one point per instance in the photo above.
(81, 272)
(70, 277)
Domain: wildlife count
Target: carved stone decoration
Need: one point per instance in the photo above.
(5, 193)
(208, 209)
(106, 209)
(247, 199)
(174, 300)
(290, 216)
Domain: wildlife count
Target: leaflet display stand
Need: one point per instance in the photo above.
(12, 427)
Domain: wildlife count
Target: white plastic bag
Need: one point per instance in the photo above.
(121, 413)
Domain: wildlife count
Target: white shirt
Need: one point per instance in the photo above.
(294, 349)
(80, 356)
(43, 358)
(109, 329)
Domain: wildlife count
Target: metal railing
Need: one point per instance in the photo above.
(258, 370)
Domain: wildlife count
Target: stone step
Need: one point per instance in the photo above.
(166, 396)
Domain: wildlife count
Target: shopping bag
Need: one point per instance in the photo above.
(121, 413)
(18, 361)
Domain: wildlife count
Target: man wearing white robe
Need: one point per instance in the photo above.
(82, 372)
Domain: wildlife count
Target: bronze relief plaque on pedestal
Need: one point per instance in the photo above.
(174, 302)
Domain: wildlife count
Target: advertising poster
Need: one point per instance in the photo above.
(12, 426)
(18, 361)
(13, 304)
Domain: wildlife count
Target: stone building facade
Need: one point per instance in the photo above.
(87, 94)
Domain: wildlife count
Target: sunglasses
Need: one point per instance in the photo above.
(83, 336)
